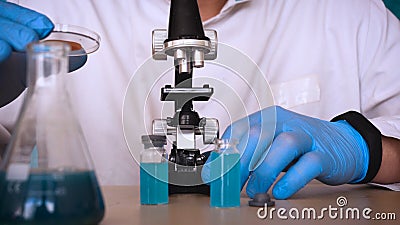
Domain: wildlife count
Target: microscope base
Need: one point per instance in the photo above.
(184, 181)
(203, 189)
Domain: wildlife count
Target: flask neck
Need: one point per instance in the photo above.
(46, 60)
(47, 121)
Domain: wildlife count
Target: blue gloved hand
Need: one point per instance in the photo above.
(19, 26)
(333, 152)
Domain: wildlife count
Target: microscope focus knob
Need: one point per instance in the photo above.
(209, 129)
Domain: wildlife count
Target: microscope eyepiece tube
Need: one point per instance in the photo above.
(198, 58)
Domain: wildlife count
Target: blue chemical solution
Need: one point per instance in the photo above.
(153, 185)
(225, 191)
(49, 198)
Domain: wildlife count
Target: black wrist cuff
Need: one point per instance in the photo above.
(372, 137)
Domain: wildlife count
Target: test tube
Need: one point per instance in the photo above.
(225, 174)
(153, 171)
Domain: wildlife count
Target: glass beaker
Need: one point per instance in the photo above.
(61, 186)
(225, 174)
(153, 171)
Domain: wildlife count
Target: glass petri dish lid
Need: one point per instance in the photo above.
(81, 40)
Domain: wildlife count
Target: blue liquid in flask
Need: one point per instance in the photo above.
(49, 198)
(153, 185)
(225, 190)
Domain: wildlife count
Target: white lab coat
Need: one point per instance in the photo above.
(321, 58)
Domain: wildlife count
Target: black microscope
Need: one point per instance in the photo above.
(190, 45)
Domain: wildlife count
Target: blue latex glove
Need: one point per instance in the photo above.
(333, 152)
(19, 26)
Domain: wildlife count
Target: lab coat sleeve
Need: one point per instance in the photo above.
(380, 70)
(4, 139)
(8, 118)
(379, 83)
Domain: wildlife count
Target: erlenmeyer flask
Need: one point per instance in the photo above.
(60, 187)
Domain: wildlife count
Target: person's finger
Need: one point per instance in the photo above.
(5, 50)
(308, 167)
(255, 133)
(259, 129)
(237, 130)
(286, 147)
(206, 170)
(41, 24)
(16, 35)
(247, 138)
(246, 146)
